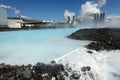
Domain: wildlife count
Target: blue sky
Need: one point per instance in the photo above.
(54, 9)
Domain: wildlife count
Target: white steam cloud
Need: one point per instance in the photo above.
(26, 17)
(90, 7)
(101, 3)
(16, 11)
(70, 14)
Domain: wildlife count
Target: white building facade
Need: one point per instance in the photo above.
(14, 22)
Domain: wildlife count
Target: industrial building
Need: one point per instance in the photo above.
(14, 22)
(3, 18)
(9, 23)
(99, 17)
(70, 19)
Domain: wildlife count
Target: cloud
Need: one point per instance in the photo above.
(26, 17)
(16, 11)
(70, 14)
(101, 3)
(89, 8)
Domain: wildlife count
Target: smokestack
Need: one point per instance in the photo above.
(101, 17)
(73, 19)
(68, 20)
(95, 17)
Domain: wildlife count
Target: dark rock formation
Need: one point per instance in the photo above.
(103, 38)
(75, 75)
(99, 45)
(94, 34)
(87, 68)
(40, 71)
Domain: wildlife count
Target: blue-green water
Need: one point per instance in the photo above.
(32, 46)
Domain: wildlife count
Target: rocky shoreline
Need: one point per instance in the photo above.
(42, 71)
(103, 46)
(103, 38)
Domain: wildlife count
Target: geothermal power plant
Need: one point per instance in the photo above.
(70, 19)
(99, 17)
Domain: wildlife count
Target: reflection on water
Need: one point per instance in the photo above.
(18, 47)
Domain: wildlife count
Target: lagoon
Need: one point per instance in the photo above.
(32, 46)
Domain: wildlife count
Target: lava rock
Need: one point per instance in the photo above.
(99, 45)
(103, 38)
(97, 34)
(90, 52)
(87, 68)
(75, 75)
(40, 71)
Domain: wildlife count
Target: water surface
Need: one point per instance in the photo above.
(32, 46)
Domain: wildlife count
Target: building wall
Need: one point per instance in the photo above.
(3, 18)
(13, 23)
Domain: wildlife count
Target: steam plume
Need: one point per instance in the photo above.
(16, 11)
(70, 14)
(90, 7)
(101, 3)
(26, 17)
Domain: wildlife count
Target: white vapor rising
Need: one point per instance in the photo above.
(101, 3)
(16, 11)
(90, 7)
(70, 14)
(26, 17)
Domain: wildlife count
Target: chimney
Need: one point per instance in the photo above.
(101, 17)
(68, 20)
(96, 17)
(73, 19)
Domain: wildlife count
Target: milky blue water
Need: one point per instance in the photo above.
(32, 46)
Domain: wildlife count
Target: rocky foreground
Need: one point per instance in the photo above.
(103, 38)
(41, 71)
